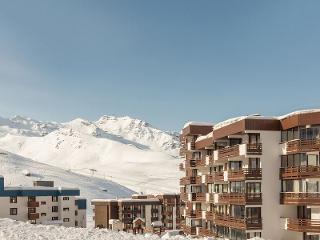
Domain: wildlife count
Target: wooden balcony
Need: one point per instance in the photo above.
(302, 145)
(33, 204)
(184, 197)
(194, 163)
(254, 148)
(238, 223)
(228, 152)
(194, 213)
(214, 177)
(196, 180)
(300, 172)
(289, 198)
(210, 215)
(198, 197)
(33, 216)
(303, 225)
(245, 174)
(240, 198)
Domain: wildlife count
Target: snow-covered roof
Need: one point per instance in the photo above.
(237, 119)
(197, 124)
(209, 135)
(299, 112)
(126, 200)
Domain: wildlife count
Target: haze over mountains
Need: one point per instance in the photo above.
(128, 151)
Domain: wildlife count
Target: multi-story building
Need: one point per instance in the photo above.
(139, 214)
(232, 187)
(43, 204)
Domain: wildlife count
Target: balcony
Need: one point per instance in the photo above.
(33, 204)
(254, 148)
(196, 180)
(194, 213)
(303, 145)
(33, 216)
(181, 167)
(209, 215)
(240, 198)
(303, 225)
(198, 197)
(290, 198)
(214, 177)
(238, 223)
(300, 172)
(245, 174)
(193, 163)
(228, 152)
(184, 197)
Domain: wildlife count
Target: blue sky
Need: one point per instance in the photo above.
(166, 62)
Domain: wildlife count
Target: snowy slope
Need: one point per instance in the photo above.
(14, 230)
(128, 151)
(12, 167)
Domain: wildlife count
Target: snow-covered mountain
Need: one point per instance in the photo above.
(125, 150)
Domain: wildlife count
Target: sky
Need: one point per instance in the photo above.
(166, 62)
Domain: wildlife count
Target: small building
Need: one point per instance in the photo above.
(138, 214)
(43, 204)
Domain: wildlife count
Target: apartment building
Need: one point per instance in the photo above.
(43, 204)
(138, 214)
(253, 176)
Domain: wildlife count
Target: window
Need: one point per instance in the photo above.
(43, 203)
(43, 214)
(13, 200)
(13, 211)
(66, 198)
(235, 165)
(66, 220)
(254, 138)
(76, 212)
(254, 163)
(54, 208)
(66, 209)
(32, 221)
(76, 223)
(54, 199)
(253, 187)
(237, 187)
(54, 218)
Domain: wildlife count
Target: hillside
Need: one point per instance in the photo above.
(128, 151)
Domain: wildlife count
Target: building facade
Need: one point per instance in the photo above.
(139, 214)
(253, 176)
(43, 204)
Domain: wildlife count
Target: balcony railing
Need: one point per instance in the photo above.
(245, 174)
(214, 177)
(304, 225)
(254, 148)
(303, 145)
(240, 198)
(33, 204)
(195, 163)
(300, 172)
(198, 197)
(228, 152)
(238, 223)
(290, 198)
(194, 213)
(33, 216)
(209, 215)
(191, 180)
